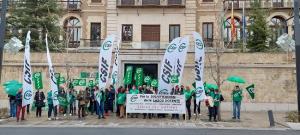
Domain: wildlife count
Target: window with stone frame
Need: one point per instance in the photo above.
(127, 32)
(174, 31)
(95, 34)
(96, 1)
(151, 33)
(208, 0)
(207, 32)
(277, 3)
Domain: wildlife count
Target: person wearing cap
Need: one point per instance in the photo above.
(81, 104)
(237, 96)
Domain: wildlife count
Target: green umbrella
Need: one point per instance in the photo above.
(236, 79)
(211, 86)
(12, 87)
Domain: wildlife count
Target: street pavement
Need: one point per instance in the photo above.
(138, 131)
(248, 120)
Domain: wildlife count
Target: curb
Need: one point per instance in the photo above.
(134, 126)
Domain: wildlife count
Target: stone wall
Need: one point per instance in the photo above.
(272, 73)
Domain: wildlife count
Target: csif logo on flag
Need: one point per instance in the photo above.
(181, 47)
(171, 48)
(27, 94)
(107, 45)
(199, 44)
(199, 92)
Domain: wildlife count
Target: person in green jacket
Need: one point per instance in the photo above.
(188, 97)
(134, 91)
(217, 98)
(121, 99)
(237, 96)
(51, 107)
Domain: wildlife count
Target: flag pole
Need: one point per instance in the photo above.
(232, 25)
(244, 27)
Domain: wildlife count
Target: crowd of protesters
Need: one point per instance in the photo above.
(92, 101)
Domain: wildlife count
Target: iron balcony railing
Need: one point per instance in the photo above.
(150, 3)
(71, 5)
(238, 4)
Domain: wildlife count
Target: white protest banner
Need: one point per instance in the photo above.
(114, 73)
(199, 67)
(27, 75)
(105, 62)
(53, 80)
(152, 103)
(167, 68)
(180, 55)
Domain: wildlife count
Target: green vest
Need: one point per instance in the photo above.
(188, 94)
(136, 91)
(121, 98)
(49, 98)
(217, 98)
(237, 95)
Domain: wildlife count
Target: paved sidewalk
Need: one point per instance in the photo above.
(248, 120)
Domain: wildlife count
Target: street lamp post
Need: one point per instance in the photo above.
(2, 32)
(297, 46)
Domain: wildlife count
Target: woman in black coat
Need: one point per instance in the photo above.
(39, 102)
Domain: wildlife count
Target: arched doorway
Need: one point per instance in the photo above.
(227, 31)
(278, 27)
(72, 27)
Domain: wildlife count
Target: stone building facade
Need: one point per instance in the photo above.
(153, 23)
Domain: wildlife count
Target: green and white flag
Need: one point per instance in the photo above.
(168, 68)
(91, 83)
(82, 82)
(199, 67)
(105, 61)
(174, 79)
(139, 77)
(38, 81)
(53, 80)
(84, 74)
(147, 80)
(128, 75)
(75, 82)
(180, 55)
(27, 75)
(251, 91)
(154, 83)
(114, 73)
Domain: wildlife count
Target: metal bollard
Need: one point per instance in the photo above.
(271, 118)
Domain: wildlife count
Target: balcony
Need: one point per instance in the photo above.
(238, 4)
(71, 5)
(150, 3)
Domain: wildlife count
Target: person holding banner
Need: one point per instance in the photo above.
(134, 91)
(72, 103)
(81, 104)
(188, 97)
(19, 106)
(39, 102)
(121, 99)
(51, 106)
(175, 91)
(148, 91)
(210, 103)
(237, 96)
